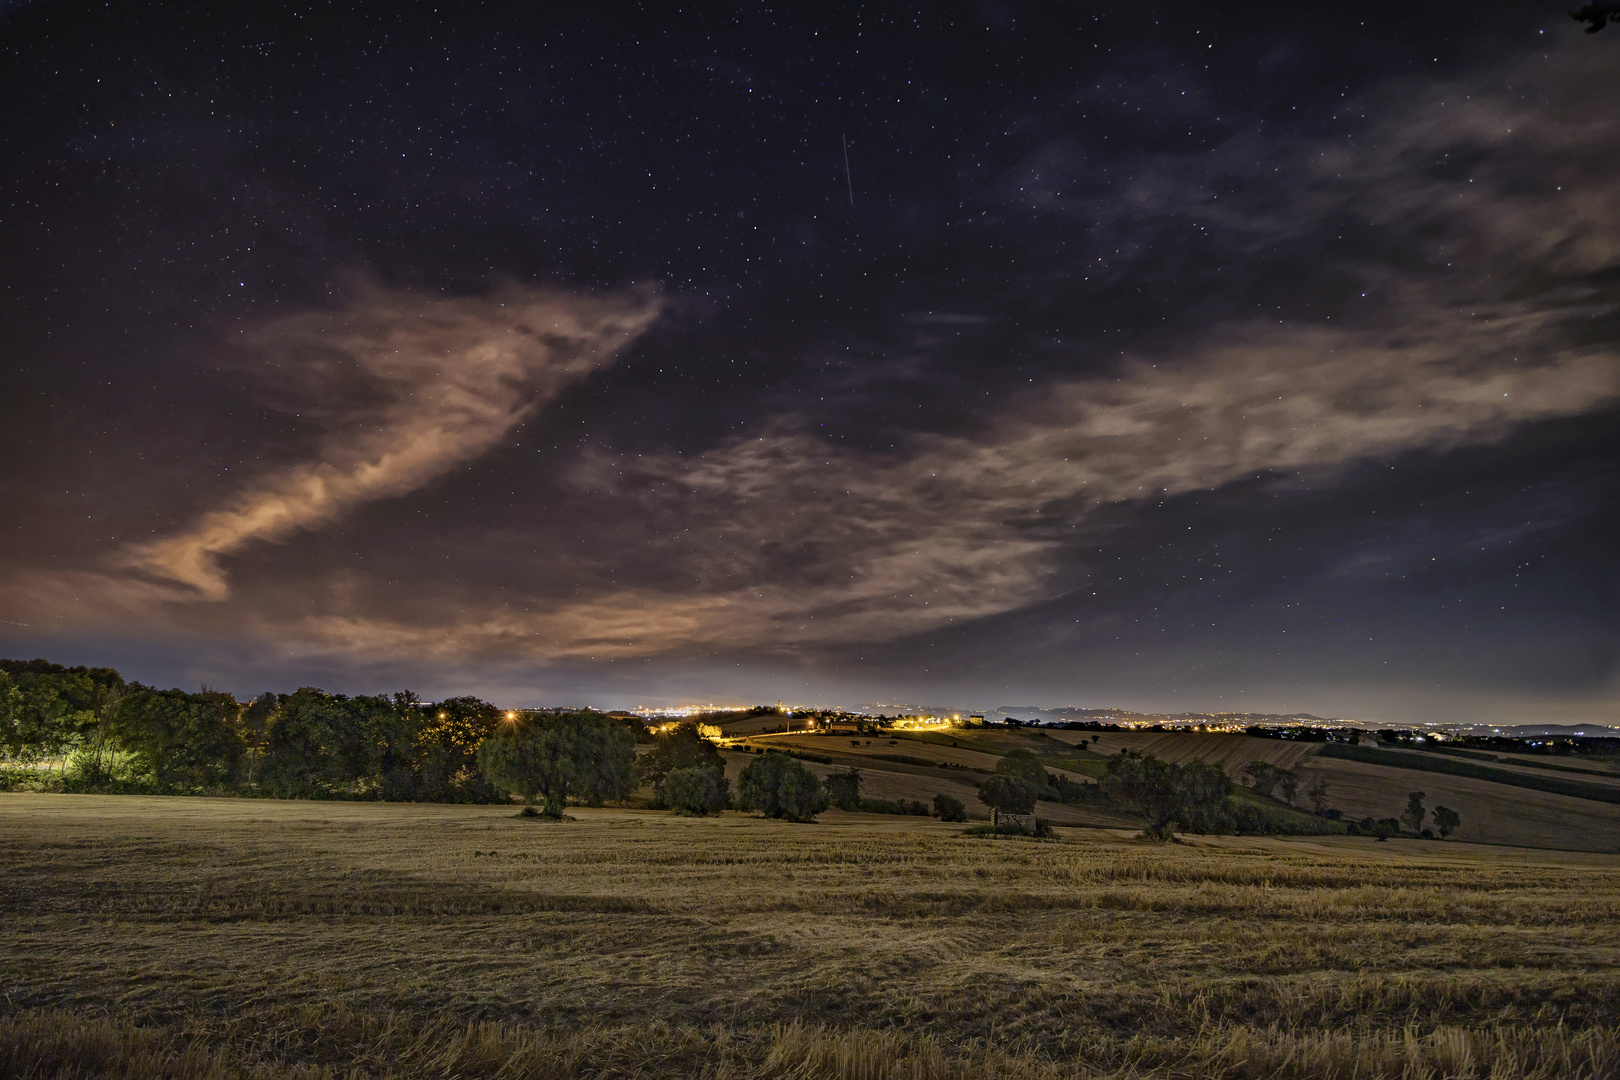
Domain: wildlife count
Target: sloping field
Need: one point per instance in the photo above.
(1560, 770)
(1419, 762)
(889, 780)
(1491, 813)
(876, 747)
(200, 939)
(1230, 752)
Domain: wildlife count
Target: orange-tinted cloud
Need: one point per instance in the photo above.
(447, 379)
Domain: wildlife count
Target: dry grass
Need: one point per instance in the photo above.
(1491, 813)
(210, 938)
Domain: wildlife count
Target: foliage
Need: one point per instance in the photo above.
(184, 742)
(1193, 796)
(696, 789)
(557, 756)
(1148, 783)
(1022, 764)
(949, 808)
(1414, 810)
(1041, 830)
(446, 765)
(1008, 795)
(779, 787)
(1317, 792)
(682, 748)
(1065, 790)
(844, 789)
(318, 745)
(1384, 828)
(1446, 820)
(894, 806)
(47, 710)
(1201, 798)
(1266, 778)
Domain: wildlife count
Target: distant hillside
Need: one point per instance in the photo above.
(1492, 803)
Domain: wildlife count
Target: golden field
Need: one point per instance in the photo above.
(204, 938)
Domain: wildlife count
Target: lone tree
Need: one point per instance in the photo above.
(1318, 793)
(697, 790)
(1414, 810)
(1446, 820)
(779, 787)
(844, 789)
(949, 808)
(555, 756)
(1007, 795)
(1192, 795)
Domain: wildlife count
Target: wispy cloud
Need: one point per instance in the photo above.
(407, 385)
(440, 381)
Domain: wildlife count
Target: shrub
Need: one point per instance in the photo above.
(1041, 831)
(779, 787)
(891, 806)
(697, 790)
(949, 808)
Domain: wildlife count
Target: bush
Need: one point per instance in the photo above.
(949, 808)
(889, 806)
(1041, 831)
(698, 790)
(779, 787)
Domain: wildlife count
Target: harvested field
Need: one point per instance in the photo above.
(1231, 752)
(882, 779)
(1491, 813)
(210, 938)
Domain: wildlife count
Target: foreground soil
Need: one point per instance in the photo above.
(211, 938)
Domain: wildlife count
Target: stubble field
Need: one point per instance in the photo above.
(209, 938)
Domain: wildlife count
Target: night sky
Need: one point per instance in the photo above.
(1150, 355)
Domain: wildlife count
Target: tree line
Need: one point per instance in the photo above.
(108, 734)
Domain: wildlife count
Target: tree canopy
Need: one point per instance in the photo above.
(1191, 795)
(780, 787)
(553, 757)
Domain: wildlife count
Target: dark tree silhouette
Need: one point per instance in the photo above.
(1446, 820)
(779, 787)
(1414, 810)
(695, 790)
(1596, 16)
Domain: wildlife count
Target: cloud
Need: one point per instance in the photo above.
(812, 543)
(1494, 208)
(432, 383)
